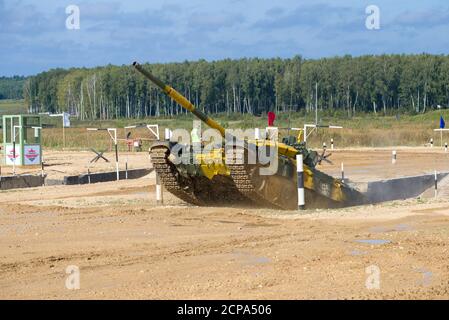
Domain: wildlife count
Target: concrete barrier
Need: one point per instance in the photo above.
(105, 176)
(400, 188)
(22, 181)
(54, 182)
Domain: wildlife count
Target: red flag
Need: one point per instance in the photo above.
(271, 118)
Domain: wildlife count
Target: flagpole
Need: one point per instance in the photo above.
(442, 125)
(63, 132)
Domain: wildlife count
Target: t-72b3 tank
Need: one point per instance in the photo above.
(212, 181)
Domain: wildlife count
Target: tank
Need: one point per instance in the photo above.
(212, 181)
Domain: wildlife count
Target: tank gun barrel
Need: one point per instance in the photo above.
(180, 99)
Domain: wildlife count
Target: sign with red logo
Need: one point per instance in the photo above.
(32, 155)
(9, 150)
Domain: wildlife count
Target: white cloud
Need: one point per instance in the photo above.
(118, 32)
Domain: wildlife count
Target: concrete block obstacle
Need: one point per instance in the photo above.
(21, 181)
(105, 176)
(401, 188)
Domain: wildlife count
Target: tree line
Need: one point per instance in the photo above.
(379, 84)
(11, 87)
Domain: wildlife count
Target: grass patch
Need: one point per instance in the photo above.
(12, 107)
(362, 130)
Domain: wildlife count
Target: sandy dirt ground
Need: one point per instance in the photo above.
(126, 247)
(58, 164)
(360, 165)
(364, 165)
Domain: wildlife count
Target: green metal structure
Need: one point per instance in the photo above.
(22, 140)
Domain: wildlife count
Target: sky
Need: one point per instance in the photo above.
(34, 36)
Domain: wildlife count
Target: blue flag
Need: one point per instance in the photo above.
(442, 123)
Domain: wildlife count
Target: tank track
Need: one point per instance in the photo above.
(170, 177)
(196, 190)
(242, 180)
(240, 174)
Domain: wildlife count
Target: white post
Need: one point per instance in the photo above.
(332, 143)
(342, 173)
(324, 145)
(300, 181)
(159, 199)
(167, 134)
(445, 147)
(393, 157)
(431, 142)
(257, 133)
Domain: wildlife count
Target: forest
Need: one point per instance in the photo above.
(384, 84)
(11, 87)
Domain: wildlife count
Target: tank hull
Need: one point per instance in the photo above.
(242, 184)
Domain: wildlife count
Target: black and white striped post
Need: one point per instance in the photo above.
(126, 168)
(159, 199)
(42, 171)
(332, 143)
(324, 146)
(300, 178)
(167, 134)
(445, 147)
(436, 184)
(393, 157)
(431, 142)
(342, 173)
